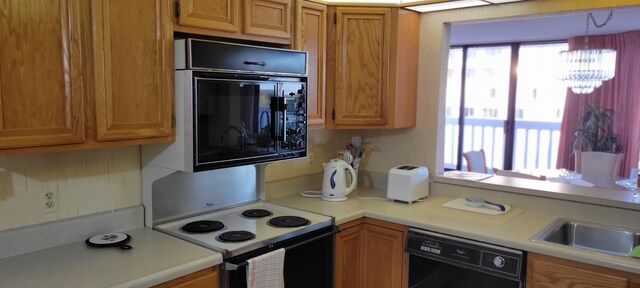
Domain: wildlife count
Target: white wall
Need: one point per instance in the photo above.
(87, 182)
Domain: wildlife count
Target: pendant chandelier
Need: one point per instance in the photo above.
(583, 70)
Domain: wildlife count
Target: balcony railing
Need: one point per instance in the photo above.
(536, 142)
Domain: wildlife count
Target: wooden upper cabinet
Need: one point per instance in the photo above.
(41, 83)
(132, 45)
(311, 36)
(374, 53)
(268, 18)
(363, 39)
(254, 20)
(211, 14)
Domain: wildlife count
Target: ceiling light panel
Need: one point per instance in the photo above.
(447, 5)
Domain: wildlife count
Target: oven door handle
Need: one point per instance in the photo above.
(231, 267)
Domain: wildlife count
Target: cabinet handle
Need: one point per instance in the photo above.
(254, 63)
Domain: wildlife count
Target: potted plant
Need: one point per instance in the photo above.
(594, 131)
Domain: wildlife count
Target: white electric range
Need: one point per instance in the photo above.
(245, 228)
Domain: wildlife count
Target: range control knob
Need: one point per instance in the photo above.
(301, 144)
(498, 261)
(300, 131)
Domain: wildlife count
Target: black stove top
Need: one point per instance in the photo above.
(256, 213)
(203, 226)
(288, 221)
(236, 236)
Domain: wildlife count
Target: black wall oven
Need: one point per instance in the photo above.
(248, 103)
(443, 261)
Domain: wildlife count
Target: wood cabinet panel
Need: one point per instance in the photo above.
(268, 18)
(311, 36)
(372, 58)
(547, 271)
(211, 14)
(41, 84)
(362, 67)
(383, 257)
(348, 257)
(132, 69)
(370, 253)
(207, 278)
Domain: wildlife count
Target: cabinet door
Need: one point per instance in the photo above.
(268, 18)
(310, 36)
(133, 68)
(41, 86)
(546, 271)
(207, 278)
(383, 257)
(211, 14)
(348, 257)
(362, 66)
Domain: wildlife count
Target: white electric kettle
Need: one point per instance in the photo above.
(334, 184)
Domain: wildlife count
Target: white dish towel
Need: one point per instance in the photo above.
(267, 270)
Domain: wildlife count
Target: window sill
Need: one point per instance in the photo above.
(592, 195)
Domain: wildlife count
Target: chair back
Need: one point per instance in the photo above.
(516, 174)
(598, 163)
(475, 161)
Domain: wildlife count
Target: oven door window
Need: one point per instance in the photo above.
(234, 120)
(428, 273)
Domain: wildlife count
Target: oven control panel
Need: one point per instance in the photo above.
(484, 257)
(295, 133)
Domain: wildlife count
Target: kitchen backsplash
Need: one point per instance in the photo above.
(323, 145)
(92, 181)
(85, 182)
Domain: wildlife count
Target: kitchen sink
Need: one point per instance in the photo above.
(596, 237)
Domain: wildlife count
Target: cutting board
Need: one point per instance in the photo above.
(460, 203)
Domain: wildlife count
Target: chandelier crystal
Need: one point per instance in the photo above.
(583, 70)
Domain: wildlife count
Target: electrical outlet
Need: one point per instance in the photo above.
(49, 198)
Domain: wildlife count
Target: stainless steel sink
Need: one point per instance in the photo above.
(601, 238)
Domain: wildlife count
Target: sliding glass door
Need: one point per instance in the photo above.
(539, 105)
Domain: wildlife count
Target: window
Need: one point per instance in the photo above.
(468, 112)
(532, 112)
(490, 112)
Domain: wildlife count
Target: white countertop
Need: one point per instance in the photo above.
(154, 259)
(505, 230)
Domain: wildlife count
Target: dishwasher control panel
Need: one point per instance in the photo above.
(485, 257)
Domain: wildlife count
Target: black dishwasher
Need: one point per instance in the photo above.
(443, 261)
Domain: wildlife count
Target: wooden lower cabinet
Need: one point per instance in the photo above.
(370, 253)
(207, 278)
(547, 271)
